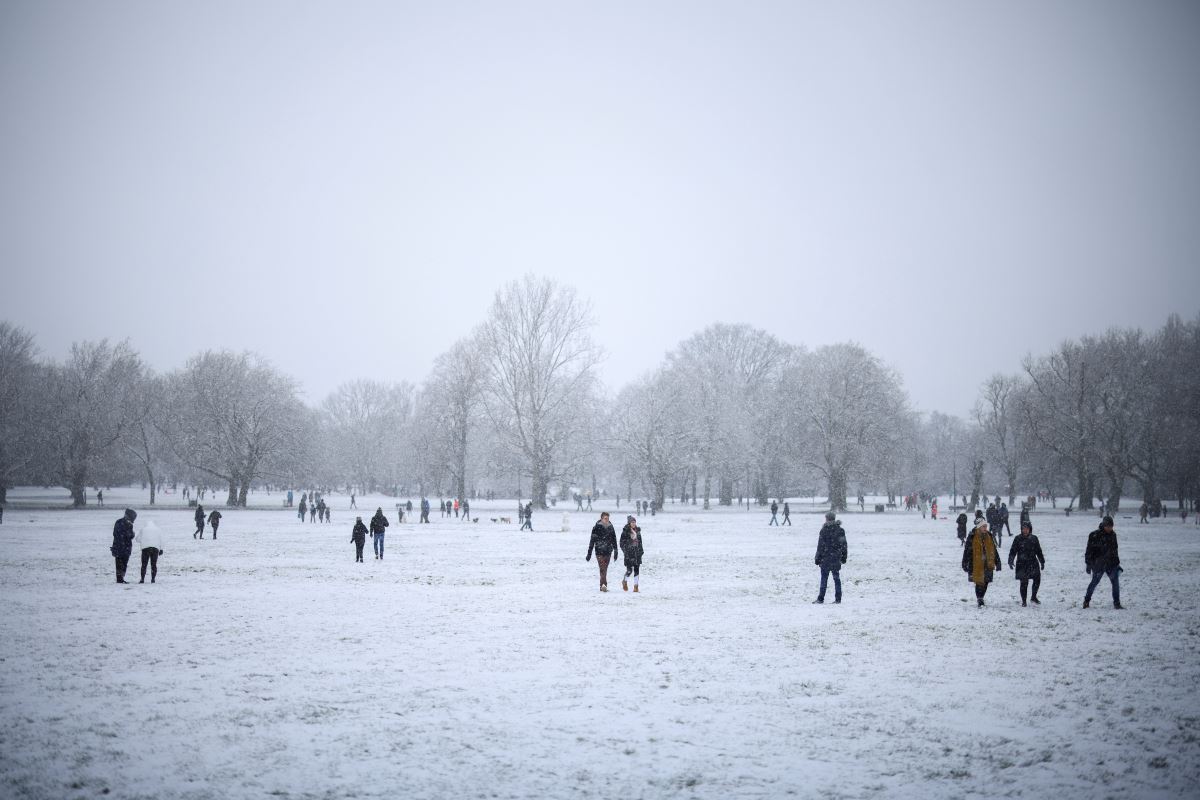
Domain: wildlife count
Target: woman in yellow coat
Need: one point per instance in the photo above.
(979, 559)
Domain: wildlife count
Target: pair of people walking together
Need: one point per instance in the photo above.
(603, 543)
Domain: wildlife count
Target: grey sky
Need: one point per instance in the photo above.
(343, 186)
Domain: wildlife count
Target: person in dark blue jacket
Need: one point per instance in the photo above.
(1101, 558)
(604, 543)
(831, 555)
(122, 546)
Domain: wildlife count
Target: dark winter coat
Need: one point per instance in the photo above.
(214, 518)
(199, 515)
(962, 526)
(1024, 515)
(832, 549)
(1026, 551)
(633, 552)
(359, 534)
(603, 541)
(774, 508)
(378, 523)
(992, 515)
(1101, 553)
(122, 545)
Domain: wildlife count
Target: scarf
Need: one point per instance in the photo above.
(983, 556)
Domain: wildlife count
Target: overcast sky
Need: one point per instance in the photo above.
(343, 186)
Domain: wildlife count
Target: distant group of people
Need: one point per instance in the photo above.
(213, 519)
(315, 508)
(454, 507)
(787, 514)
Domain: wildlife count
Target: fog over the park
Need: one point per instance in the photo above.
(343, 188)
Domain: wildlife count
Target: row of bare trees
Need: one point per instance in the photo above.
(516, 408)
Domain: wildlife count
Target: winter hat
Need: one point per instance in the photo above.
(978, 513)
(1106, 521)
(130, 514)
(981, 523)
(630, 518)
(1027, 524)
(830, 516)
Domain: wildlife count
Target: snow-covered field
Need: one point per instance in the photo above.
(479, 661)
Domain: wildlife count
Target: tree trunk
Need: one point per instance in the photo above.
(1012, 486)
(726, 491)
(837, 490)
(3, 494)
(1085, 486)
(707, 489)
(78, 489)
(539, 487)
(231, 500)
(976, 483)
(693, 488)
(243, 492)
(153, 483)
(660, 494)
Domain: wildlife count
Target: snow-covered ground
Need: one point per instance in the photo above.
(479, 661)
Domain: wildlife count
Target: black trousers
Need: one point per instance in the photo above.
(632, 569)
(358, 548)
(122, 565)
(981, 590)
(1037, 581)
(150, 556)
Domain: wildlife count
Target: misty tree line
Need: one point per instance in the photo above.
(516, 409)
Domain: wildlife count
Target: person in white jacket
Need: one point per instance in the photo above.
(150, 539)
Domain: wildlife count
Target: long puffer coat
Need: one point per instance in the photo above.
(1026, 552)
(123, 534)
(633, 552)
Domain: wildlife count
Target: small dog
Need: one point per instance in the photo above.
(505, 520)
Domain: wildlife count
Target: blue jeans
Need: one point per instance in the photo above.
(837, 583)
(1114, 577)
(378, 544)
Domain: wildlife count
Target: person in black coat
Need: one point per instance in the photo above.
(122, 546)
(633, 548)
(962, 528)
(831, 555)
(379, 525)
(214, 519)
(1101, 558)
(604, 543)
(359, 537)
(774, 511)
(787, 514)
(1026, 552)
(199, 518)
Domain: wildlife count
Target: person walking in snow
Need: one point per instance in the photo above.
(353, 504)
(604, 543)
(359, 536)
(527, 524)
(379, 525)
(962, 528)
(787, 514)
(1144, 513)
(303, 507)
(633, 548)
(1003, 514)
(199, 518)
(832, 551)
(122, 546)
(312, 512)
(979, 559)
(466, 509)
(774, 511)
(1101, 558)
(1026, 552)
(150, 539)
(214, 519)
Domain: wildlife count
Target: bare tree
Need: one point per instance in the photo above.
(366, 421)
(235, 419)
(650, 429)
(18, 385)
(540, 361)
(87, 408)
(996, 412)
(452, 403)
(850, 402)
